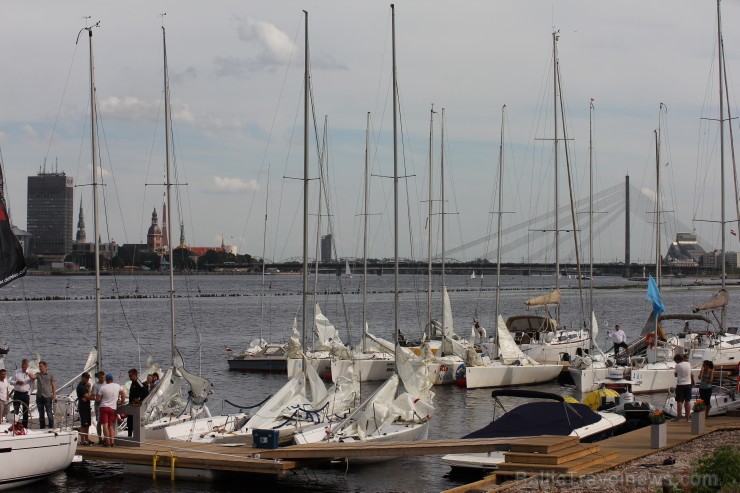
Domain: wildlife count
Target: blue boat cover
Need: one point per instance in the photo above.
(539, 418)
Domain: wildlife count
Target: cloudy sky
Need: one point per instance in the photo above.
(236, 87)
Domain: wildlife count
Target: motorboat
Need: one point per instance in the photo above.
(554, 416)
(259, 356)
(723, 400)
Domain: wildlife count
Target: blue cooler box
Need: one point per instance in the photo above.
(265, 438)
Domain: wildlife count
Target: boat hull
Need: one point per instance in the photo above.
(34, 456)
(270, 364)
(373, 369)
(509, 375)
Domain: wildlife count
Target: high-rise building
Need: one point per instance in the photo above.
(326, 248)
(51, 212)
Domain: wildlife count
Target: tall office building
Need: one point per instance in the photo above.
(326, 248)
(51, 212)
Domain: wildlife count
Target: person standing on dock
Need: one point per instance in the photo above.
(137, 393)
(619, 338)
(684, 382)
(99, 382)
(4, 394)
(46, 394)
(706, 376)
(84, 396)
(111, 396)
(21, 390)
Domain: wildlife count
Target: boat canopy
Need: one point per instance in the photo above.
(539, 418)
(531, 323)
(529, 394)
(717, 301)
(544, 300)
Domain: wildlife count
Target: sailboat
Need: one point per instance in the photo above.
(472, 275)
(261, 355)
(722, 347)
(505, 364)
(544, 339)
(387, 415)
(347, 271)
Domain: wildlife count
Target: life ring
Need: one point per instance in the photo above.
(650, 340)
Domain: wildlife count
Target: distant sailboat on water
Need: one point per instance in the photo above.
(472, 275)
(347, 271)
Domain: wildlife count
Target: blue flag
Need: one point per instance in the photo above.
(653, 295)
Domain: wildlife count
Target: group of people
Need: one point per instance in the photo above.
(19, 387)
(685, 382)
(107, 397)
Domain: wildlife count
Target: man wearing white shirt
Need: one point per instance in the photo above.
(4, 394)
(684, 383)
(21, 390)
(618, 338)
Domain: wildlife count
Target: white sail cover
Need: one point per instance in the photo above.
(326, 333)
(315, 384)
(594, 327)
(292, 393)
(717, 301)
(341, 396)
(413, 371)
(447, 328)
(472, 358)
(544, 300)
(508, 351)
(373, 413)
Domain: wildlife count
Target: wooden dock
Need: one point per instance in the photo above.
(577, 460)
(204, 461)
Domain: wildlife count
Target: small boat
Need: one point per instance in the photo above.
(472, 275)
(552, 417)
(723, 400)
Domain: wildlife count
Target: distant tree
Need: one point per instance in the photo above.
(182, 258)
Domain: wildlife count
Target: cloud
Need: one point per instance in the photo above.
(2, 137)
(272, 48)
(29, 132)
(101, 171)
(232, 185)
(649, 193)
(189, 73)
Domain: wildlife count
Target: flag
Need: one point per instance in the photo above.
(12, 263)
(733, 233)
(653, 295)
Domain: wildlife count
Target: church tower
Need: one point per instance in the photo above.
(81, 235)
(154, 235)
(165, 235)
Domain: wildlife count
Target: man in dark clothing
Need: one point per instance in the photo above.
(83, 406)
(136, 394)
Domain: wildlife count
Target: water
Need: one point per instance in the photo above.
(214, 312)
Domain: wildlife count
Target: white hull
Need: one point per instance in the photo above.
(376, 367)
(509, 375)
(721, 403)
(552, 352)
(390, 433)
(444, 370)
(321, 365)
(34, 456)
(655, 377)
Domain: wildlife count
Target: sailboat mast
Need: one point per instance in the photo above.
(442, 199)
(167, 115)
(96, 220)
(322, 157)
(364, 238)
(591, 225)
(555, 141)
(500, 210)
(264, 250)
(305, 182)
(657, 201)
(395, 185)
(429, 224)
(721, 57)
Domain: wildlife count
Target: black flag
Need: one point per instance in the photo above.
(12, 263)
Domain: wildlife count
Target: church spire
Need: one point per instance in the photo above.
(81, 235)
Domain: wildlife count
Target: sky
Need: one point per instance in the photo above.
(236, 78)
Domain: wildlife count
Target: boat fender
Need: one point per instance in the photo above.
(548, 337)
(460, 372)
(650, 340)
(517, 363)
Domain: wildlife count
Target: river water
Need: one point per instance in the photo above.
(216, 311)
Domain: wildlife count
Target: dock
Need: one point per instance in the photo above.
(575, 460)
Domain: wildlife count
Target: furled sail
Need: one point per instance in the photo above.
(326, 333)
(544, 300)
(12, 262)
(508, 351)
(717, 301)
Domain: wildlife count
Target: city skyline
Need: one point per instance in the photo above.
(230, 63)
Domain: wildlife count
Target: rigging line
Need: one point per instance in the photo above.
(101, 126)
(704, 123)
(61, 102)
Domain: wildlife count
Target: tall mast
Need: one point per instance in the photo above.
(555, 141)
(591, 224)
(395, 185)
(442, 199)
(96, 225)
(500, 210)
(167, 116)
(305, 182)
(721, 57)
(657, 201)
(429, 224)
(364, 238)
(322, 159)
(264, 249)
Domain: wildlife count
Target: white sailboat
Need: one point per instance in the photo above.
(505, 364)
(347, 270)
